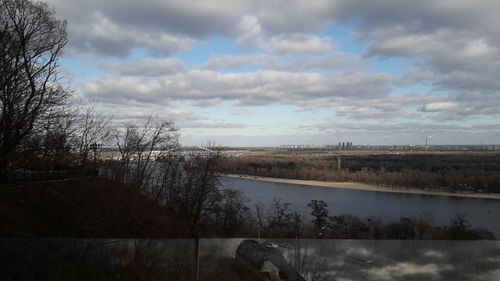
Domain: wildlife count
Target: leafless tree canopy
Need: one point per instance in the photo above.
(93, 128)
(140, 144)
(279, 220)
(31, 42)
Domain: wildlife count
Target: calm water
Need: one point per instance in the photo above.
(440, 209)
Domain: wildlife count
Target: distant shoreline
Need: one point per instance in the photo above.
(365, 187)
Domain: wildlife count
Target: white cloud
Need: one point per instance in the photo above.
(297, 43)
(265, 87)
(439, 106)
(367, 112)
(250, 34)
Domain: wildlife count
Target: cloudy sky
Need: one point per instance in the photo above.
(271, 72)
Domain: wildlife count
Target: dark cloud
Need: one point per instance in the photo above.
(102, 37)
(463, 81)
(115, 27)
(174, 16)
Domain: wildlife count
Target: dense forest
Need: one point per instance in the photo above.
(453, 172)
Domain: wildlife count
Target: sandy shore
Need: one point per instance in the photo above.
(367, 187)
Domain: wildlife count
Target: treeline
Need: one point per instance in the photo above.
(278, 220)
(461, 172)
(349, 226)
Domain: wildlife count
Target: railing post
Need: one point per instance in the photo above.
(197, 253)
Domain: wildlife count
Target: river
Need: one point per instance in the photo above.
(438, 209)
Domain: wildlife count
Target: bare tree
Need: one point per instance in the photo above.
(348, 226)
(170, 176)
(231, 212)
(319, 212)
(191, 186)
(93, 128)
(281, 221)
(141, 144)
(199, 192)
(259, 216)
(278, 220)
(31, 42)
(51, 143)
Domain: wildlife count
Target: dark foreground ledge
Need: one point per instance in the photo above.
(220, 259)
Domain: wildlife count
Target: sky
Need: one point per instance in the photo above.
(273, 72)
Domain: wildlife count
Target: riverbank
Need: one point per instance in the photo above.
(365, 187)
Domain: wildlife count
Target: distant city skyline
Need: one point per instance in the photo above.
(266, 73)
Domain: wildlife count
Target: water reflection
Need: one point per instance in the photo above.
(380, 260)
